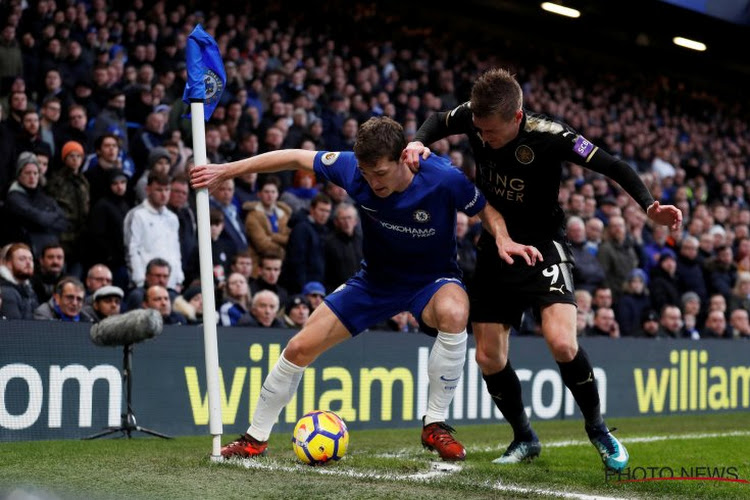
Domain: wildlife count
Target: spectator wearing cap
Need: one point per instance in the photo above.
(690, 275)
(649, 327)
(105, 241)
(263, 311)
(314, 292)
(617, 255)
(19, 298)
(663, 286)
(70, 188)
(633, 302)
(296, 312)
(106, 302)
(66, 303)
(305, 256)
(190, 305)
(37, 218)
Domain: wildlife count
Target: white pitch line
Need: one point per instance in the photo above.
(438, 469)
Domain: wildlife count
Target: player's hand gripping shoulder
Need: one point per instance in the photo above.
(410, 155)
(207, 176)
(666, 215)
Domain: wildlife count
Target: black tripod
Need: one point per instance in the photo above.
(128, 423)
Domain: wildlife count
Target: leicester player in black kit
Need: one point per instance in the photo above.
(519, 158)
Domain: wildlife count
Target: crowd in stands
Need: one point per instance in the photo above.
(98, 216)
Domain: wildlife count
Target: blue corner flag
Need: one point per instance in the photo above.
(206, 78)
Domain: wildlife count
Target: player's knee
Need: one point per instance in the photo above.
(298, 352)
(452, 315)
(490, 362)
(563, 350)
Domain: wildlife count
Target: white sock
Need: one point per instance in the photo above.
(445, 366)
(277, 390)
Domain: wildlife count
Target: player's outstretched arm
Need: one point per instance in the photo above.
(211, 175)
(666, 215)
(494, 222)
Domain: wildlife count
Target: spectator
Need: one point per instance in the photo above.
(716, 327)
(314, 292)
(305, 256)
(602, 298)
(157, 297)
(296, 312)
(242, 263)
(178, 203)
(106, 302)
(265, 307)
(75, 129)
(649, 326)
(190, 305)
(604, 325)
(266, 221)
(158, 271)
(689, 270)
(106, 242)
(268, 278)
(588, 272)
(343, 247)
(112, 118)
(237, 300)
(49, 271)
(633, 303)
(98, 276)
(721, 271)
(158, 161)
(152, 231)
(670, 322)
(50, 115)
(663, 286)
(233, 232)
(71, 191)
(739, 324)
(594, 232)
(657, 245)
(302, 193)
(401, 322)
(66, 303)
(39, 220)
(617, 255)
(740, 297)
(98, 166)
(19, 299)
(221, 251)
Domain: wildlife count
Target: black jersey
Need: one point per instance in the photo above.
(522, 179)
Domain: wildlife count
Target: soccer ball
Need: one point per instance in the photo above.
(319, 437)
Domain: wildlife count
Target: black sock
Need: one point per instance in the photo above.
(505, 389)
(578, 376)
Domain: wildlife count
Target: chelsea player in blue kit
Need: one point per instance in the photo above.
(409, 246)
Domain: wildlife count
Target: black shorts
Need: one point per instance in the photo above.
(501, 292)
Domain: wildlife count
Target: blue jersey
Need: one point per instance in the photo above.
(408, 237)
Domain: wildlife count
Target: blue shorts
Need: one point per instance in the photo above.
(360, 304)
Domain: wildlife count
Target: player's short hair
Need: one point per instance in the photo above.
(379, 137)
(496, 92)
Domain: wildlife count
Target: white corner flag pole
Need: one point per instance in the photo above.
(207, 286)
